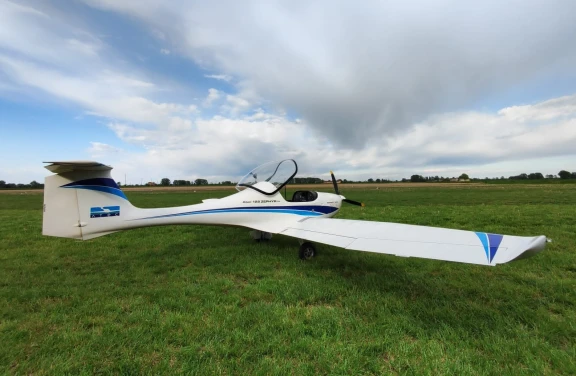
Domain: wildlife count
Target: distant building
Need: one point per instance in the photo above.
(151, 183)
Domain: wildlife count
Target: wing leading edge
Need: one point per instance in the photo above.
(417, 241)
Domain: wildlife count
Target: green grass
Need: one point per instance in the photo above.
(530, 181)
(194, 299)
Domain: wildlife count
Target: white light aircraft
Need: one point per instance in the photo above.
(82, 201)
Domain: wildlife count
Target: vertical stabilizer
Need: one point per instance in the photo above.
(82, 201)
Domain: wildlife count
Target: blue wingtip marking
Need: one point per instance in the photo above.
(491, 243)
(484, 239)
(495, 241)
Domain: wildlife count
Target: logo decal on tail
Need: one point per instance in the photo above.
(491, 242)
(104, 211)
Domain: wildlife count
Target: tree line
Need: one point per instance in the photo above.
(563, 174)
(166, 182)
(32, 185)
(537, 175)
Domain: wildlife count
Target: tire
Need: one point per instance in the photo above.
(307, 251)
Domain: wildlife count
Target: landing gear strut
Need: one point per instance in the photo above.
(260, 235)
(307, 251)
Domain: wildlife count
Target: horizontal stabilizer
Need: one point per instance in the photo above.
(70, 166)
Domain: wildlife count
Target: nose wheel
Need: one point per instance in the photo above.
(307, 251)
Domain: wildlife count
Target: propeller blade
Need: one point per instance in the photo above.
(353, 202)
(334, 183)
(344, 199)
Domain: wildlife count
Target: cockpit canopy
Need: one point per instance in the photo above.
(277, 174)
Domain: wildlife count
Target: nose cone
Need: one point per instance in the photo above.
(330, 199)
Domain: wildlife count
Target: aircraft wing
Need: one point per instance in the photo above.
(416, 241)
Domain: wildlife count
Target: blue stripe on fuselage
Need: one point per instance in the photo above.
(310, 211)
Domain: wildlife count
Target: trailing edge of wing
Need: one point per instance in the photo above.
(417, 241)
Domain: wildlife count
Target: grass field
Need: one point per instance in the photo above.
(209, 300)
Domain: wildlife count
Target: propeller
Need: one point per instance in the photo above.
(344, 199)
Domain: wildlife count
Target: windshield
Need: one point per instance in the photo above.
(276, 174)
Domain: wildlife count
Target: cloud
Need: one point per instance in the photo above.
(213, 96)
(354, 71)
(473, 138)
(40, 36)
(99, 149)
(102, 92)
(164, 51)
(45, 50)
(224, 147)
(235, 105)
(548, 110)
(220, 77)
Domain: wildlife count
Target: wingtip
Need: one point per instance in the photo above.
(534, 246)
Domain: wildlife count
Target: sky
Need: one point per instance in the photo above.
(211, 89)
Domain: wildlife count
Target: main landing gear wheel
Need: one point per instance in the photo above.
(307, 251)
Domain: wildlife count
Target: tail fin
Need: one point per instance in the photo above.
(82, 201)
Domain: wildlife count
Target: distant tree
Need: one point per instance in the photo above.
(535, 175)
(564, 174)
(519, 177)
(417, 178)
(464, 177)
(201, 182)
(165, 181)
(35, 184)
(181, 182)
(119, 183)
(573, 175)
(370, 180)
(308, 180)
(2, 184)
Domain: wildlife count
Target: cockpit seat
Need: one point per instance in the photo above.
(304, 196)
